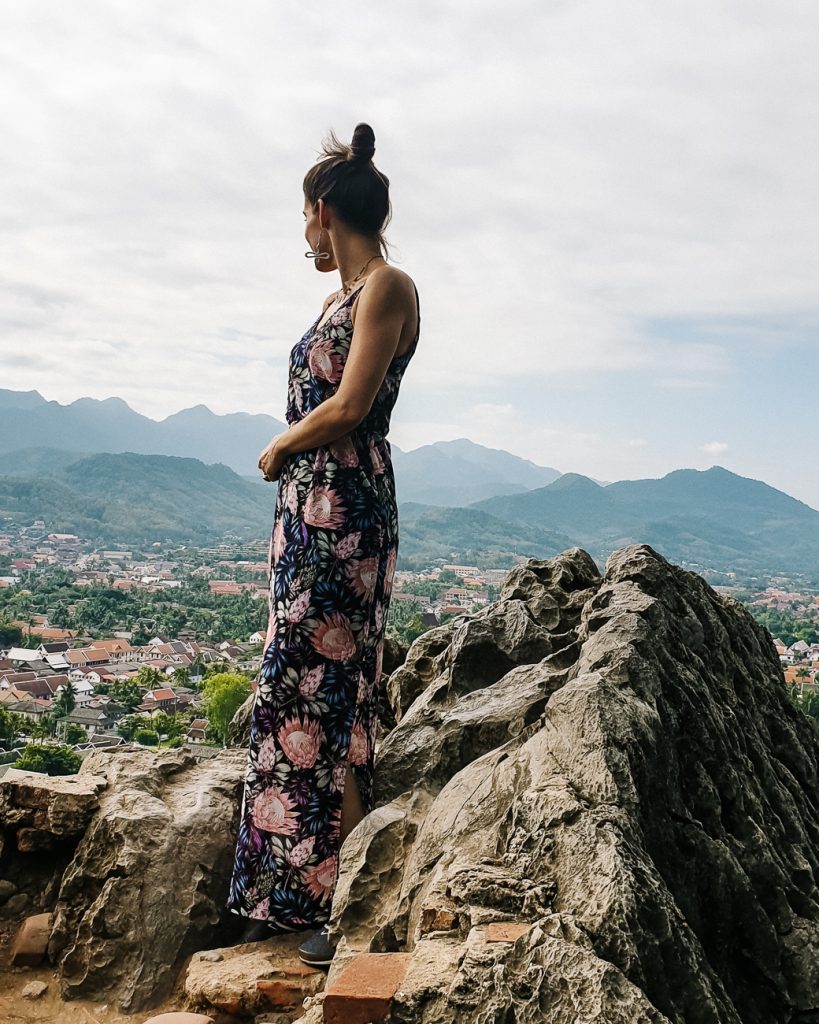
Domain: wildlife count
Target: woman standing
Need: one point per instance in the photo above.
(332, 559)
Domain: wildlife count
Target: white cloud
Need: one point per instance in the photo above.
(714, 447)
(568, 180)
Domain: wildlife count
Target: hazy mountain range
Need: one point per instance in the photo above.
(457, 500)
(445, 473)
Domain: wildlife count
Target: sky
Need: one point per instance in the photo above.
(611, 213)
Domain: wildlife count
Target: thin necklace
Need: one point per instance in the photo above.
(346, 291)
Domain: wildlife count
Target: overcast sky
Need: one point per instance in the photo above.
(611, 212)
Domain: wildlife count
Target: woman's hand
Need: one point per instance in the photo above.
(272, 459)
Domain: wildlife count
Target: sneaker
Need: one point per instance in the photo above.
(317, 950)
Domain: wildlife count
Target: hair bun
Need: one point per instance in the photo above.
(362, 146)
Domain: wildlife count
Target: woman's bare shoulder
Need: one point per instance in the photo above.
(398, 281)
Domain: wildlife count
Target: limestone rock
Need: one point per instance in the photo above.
(34, 990)
(149, 878)
(252, 978)
(646, 815)
(47, 808)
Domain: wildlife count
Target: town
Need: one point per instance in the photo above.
(103, 648)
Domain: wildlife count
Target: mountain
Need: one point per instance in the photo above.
(111, 425)
(139, 498)
(447, 473)
(707, 517)
(459, 472)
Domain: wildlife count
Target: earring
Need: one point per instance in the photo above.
(314, 253)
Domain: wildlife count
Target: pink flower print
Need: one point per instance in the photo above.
(323, 508)
(379, 616)
(339, 775)
(358, 745)
(266, 758)
(362, 688)
(300, 741)
(390, 570)
(344, 451)
(291, 496)
(324, 362)
(320, 881)
(311, 681)
(273, 811)
(300, 853)
(347, 545)
(278, 540)
(298, 608)
(321, 458)
(262, 910)
(333, 637)
(377, 461)
(363, 573)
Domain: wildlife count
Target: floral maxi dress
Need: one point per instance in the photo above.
(332, 560)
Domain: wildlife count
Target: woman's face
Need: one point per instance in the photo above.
(312, 230)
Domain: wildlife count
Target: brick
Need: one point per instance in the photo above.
(180, 1018)
(280, 994)
(362, 994)
(31, 941)
(505, 931)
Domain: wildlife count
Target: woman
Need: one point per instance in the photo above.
(332, 560)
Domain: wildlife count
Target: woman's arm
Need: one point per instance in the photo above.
(380, 318)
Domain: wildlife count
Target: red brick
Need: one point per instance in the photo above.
(363, 992)
(280, 994)
(505, 931)
(31, 941)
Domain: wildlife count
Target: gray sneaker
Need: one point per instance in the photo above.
(317, 950)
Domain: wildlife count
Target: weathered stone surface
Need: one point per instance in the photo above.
(50, 806)
(179, 1017)
(649, 820)
(15, 905)
(7, 889)
(148, 881)
(31, 941)
(34, 990)
(252, 977)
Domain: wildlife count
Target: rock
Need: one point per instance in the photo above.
(149, 878)
(31, 941)
(239, 728)
(34, 990)
(211, 956)
(6, 889)
(253, 977)
(15, 905)
(178, 1017)
(643, 825)
(48, 807)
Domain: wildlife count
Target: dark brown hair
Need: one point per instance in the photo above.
(346, 177)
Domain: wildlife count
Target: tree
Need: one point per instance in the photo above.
(147, 737)
(74, 733)
(50, 758)
(67, 700)
(167, 725)
(224, 693)
(126, 692)
(128, 725)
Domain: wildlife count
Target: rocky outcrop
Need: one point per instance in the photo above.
(612, 763)
(148, 881)
(594, 802)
